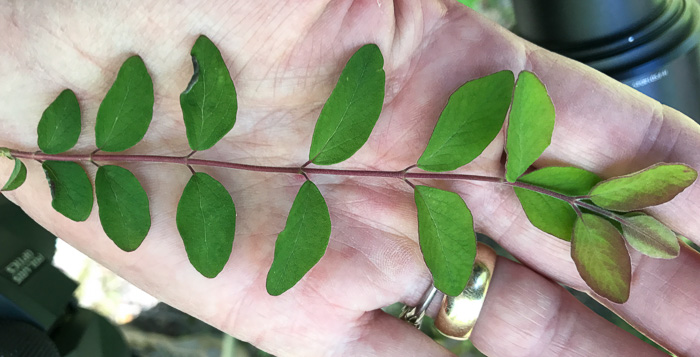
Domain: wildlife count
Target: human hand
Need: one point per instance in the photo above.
(285, 57)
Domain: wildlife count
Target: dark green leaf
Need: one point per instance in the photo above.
(473, 117)
(447, 239)
(123, 206)
(550, 214)
(530, 125)
(71, 189)
(649, 236)
(601, 257)
(209, 103)
(127, 110)
(17, 177)
(206, 220)
(59, 127)
(303, 241)
(649, 187)
(349, 115)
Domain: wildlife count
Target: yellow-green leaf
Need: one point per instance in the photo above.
(209, 103)
(530, 125)
(649, 236)
(206, 220)
(446, 237)
(127, 110)
(59, 127)
(550, 214)
(303, 241)
(649, 187)
(71, 189)
(123, 206)
(473, 117)
(601, 257)
(349, 115)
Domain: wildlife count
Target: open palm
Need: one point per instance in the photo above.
(285, 57)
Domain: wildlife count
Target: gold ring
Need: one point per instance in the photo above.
(458, 314)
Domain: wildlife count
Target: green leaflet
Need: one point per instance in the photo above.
(127, 110)
(303, 241)
(123, 206)
(601, 257)
(209, 103)
(17, 177)
(652, 186)
(447, 239)
(649, 236)
(473, 117)
(352, 110)
(550, 214)
(530, 125)
(70, 188)
(206, 220)
(59, 127)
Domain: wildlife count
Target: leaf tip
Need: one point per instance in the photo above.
(274, 288)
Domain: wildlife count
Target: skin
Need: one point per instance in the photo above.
(285, 57)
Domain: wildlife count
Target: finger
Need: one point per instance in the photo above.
(385, 335)
(664, 293)
(608, 128)
(525, 314)
(611, 129)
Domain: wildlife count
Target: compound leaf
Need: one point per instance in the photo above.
(352, 110)
(649, 187)
(17, 177)
(127, 110)
(303, 241)
(530, 125)
(206, 220)
(123, 206)
(473, 117)
(601, 257)
(649, 236)
(550, 214)
(71, 189)
(59, 128)
(209, 103)
(446, 237)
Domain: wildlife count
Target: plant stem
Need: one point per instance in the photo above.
(544, 191)
(303, 170)
(186, 160)
(600, 211)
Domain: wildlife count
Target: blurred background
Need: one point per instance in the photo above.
(107, 316)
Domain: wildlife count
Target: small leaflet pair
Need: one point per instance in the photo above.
(598, 216)
(567, 202)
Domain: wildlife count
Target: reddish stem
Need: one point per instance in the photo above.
(303, 170)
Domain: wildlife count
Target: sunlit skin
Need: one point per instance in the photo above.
(285, 57)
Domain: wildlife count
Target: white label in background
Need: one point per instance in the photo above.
(641, 82)
(20, 268)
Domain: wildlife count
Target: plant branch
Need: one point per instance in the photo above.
(600, 211)
(401, 174)
(571, 200)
